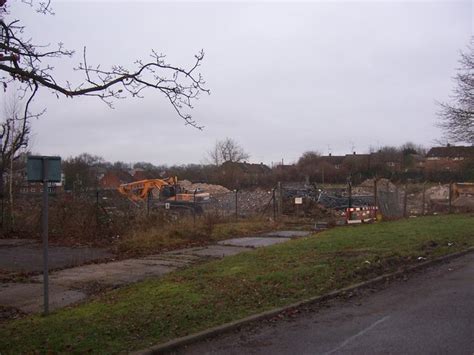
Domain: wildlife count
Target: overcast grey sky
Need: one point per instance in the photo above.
(285, 77)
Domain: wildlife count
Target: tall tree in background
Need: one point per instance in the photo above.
(457, 118)
(14, 138)
(82, 172)
(32, 66)
(227, 150)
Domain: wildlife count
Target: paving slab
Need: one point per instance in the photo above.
(218, 251)
(287, 234)
(28, 257)
(29, 297)
(253, 242)
(113, 274)
(11, 242)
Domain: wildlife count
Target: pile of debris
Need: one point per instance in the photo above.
(367, 187)
(342, 202)
(438, 193)
(248, 202)
(203, 187)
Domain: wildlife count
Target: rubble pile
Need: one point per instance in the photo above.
(438, 193)
(203, 187)
(248, 202)
(367, 187)
(341, 202)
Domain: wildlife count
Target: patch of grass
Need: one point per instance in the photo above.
(209, 294)
(154, 237)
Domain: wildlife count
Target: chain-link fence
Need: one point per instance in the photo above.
(106, 213)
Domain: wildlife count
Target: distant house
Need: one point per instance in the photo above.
(449, 158)
(333, 161)
(357, 162)
(112, 179)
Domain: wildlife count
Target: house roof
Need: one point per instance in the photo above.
(249, 168)
(333, 159)
(451, 152)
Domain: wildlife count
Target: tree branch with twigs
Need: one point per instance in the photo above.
(457, 117)
(30, 64)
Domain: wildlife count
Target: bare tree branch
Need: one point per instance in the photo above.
(23, 61)
(457, 118)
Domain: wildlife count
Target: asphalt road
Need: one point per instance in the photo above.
(430, 313)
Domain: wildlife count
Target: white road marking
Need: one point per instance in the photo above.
(362, 332)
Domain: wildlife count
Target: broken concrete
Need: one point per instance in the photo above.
(287, 234)
(29, 297)
(218, 251)
(26, 255)
(69, 286)
(111, 274)
(254, 242)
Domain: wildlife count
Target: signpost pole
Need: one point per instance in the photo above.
(45, 237)
(44, 169)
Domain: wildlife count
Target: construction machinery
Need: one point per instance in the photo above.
(164, 193)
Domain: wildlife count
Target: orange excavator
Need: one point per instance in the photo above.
(140, 190)
(163, 190)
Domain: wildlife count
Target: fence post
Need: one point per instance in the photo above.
(148, 203)
(405, 197)
(236, 205)
(97, 208)
(280, 199)
(424, 199)
(450, 196)
(349, 186)
(194, 209)
(274, 205)
(375, 192)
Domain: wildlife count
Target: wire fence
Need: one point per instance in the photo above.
(108, 213)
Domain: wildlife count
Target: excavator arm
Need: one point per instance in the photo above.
(139, 190)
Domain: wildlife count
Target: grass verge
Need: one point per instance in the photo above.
(217, 292)
(155, 237)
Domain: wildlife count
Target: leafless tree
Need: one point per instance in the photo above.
(14, 137)
(31, 64)
(227, 150)
(457, 118)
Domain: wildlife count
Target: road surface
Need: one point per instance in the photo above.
(430, 313)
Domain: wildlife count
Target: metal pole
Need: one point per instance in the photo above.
(45, 237)
(405, 197)
(236, 206)
(97, 208)
(375, 192)
(424, 199)
(148, 203)
(280, 198)
(274, 206)
(350, 192)
(194, 208)
(450, 196)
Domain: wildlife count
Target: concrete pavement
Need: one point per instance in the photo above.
(74, 284)
(430, 313)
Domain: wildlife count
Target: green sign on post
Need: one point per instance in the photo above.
(34, 168)
(44, 169)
